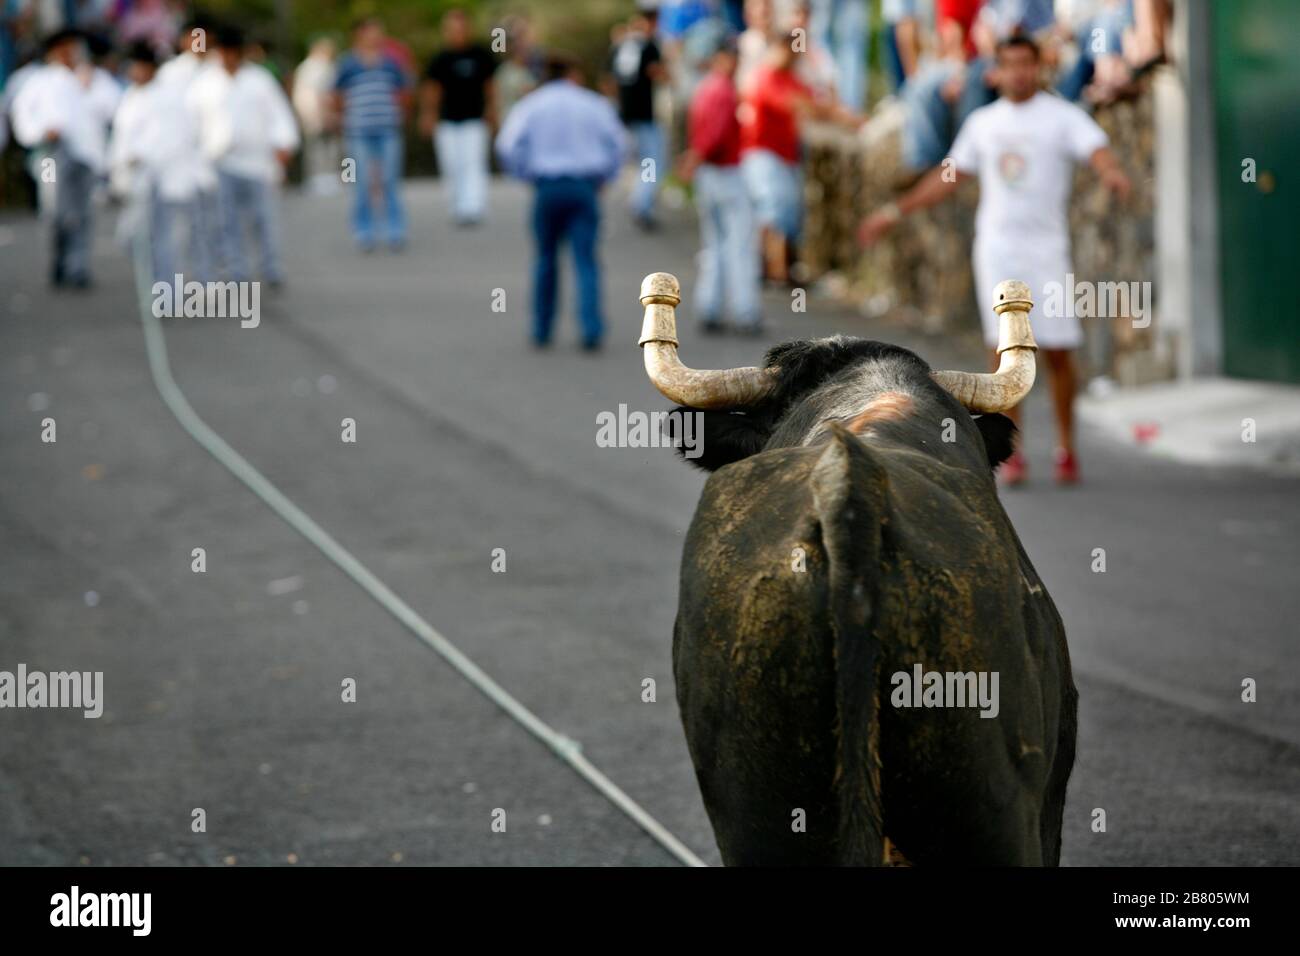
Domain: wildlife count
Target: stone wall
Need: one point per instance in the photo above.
(921, 275)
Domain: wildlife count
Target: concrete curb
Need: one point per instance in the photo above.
(1204, 421)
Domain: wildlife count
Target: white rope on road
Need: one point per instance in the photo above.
(568, 750)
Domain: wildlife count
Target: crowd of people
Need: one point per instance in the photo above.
(190, 126)
(194, 147)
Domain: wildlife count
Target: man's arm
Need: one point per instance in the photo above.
(615, 142)
(334, 102)
(430, 98)
(930, 191)
(283, 124)
(1110, 172)
(490, 103)
(907, 38)
(510, 143)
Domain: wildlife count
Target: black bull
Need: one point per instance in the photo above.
(784, 675)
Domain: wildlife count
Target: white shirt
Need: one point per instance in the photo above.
(312, 82)
(205, 99)
(181, 69)
(186, 167)
(103, 92)
(54, 100)
(128, 151)
(1024, 155)
(255, 120)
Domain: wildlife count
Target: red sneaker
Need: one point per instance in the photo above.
(1067, 467)
(1014, 471)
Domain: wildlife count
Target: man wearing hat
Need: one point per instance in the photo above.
(52, 116)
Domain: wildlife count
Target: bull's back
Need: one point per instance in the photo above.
(752, 657)
(756, 664)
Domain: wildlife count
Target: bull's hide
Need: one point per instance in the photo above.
(811, 576)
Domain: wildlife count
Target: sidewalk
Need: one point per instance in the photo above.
(1204, 421)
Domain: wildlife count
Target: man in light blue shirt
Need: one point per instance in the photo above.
(568, 142)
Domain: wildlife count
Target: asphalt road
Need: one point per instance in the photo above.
(223, 688)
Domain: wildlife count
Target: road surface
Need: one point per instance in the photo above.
(222, 688)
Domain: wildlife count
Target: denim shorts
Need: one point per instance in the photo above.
(776, 188)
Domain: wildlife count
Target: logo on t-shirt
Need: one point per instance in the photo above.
(1011, 167)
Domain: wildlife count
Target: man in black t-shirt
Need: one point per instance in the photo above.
(636, 68)
(456, 106)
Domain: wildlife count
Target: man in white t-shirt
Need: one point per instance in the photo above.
(1023, 148)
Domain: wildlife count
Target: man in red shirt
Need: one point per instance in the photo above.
(770, 148)
(728, 237)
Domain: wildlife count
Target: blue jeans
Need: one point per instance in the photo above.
(649, 140)
(775, 188)
(73, 224)
(930, 124)
(463, 162)
(207, 248)
(242, 198)
(1097, 37)
(843, 27)
(377, 154)
(566, 207)
(164, 214)
(728, 246)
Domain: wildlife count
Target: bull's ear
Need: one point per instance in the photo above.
(717, 438)
(999, 437)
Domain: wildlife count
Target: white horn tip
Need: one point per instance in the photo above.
(661, 287)
(1012, 294)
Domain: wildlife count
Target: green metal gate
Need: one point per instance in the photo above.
(1257, 114)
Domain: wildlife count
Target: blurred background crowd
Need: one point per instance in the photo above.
(794, 60)
(194, 119)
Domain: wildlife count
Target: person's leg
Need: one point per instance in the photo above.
(475, 145)
(1071, 85)
(211, 229)
(233, 201)
(364, 152)
(199, 257)
(794, 202)
(739, 252)
(390, 169)
(77, 189)
(263, 199)
(975, 92)
(547, 224)
(893, 60)
(54, 202)
(1060, 363)
(927, 117)
(584, 226)
(162, 237)
(852, 27)
(649, 146)
(1013, 471)
(821, 20)
(708, 284)
(446, 140)
(783, 242)
(763, 172)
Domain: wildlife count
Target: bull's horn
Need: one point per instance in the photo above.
(695, 388)
(1003, 389)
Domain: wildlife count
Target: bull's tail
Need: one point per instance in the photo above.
(850, 489)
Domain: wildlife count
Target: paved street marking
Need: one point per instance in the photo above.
(568, 750)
